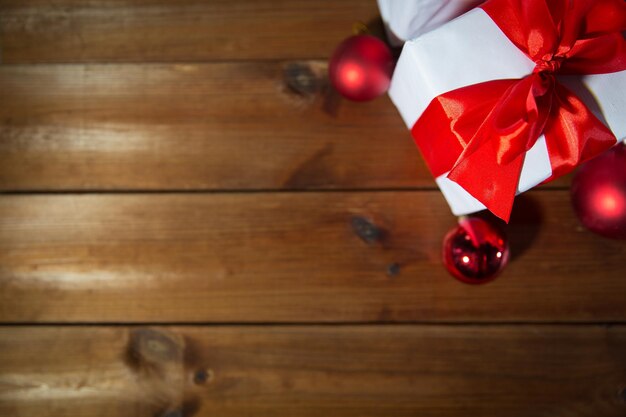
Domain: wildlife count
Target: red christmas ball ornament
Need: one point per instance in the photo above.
(475, 252)
(361, 68)
(599, 193)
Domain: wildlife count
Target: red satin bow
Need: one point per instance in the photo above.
(483, 131)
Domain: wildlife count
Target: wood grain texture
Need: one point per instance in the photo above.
(214, 126)
(211, 126)
(311, 371)
(290, 257)
(36, 31)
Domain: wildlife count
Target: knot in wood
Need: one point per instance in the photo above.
(301, 79)
(154, 346)
(366, 230)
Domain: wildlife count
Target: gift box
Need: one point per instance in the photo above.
(514, 93)
(408, 19)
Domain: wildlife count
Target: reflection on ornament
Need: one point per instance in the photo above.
(361, 68)
(599, 193)
(475, 252)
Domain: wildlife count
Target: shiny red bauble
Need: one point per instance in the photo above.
(475, 251)
(599, 193)
(361, 68)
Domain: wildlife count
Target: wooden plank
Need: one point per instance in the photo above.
(290, 257)
(214, 126)
(210, 126)
(311, 371)
(36, 31)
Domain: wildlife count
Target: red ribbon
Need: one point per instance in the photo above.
(483, 131)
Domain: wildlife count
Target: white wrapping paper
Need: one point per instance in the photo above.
(407, 19)
(472, 49)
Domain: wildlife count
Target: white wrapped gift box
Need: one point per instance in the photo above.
(408, 19)
(472, 49)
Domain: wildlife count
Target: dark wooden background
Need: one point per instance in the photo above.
(192, 223)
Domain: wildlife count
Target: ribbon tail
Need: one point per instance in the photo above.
(480, 134)
(491, 183)
(490, 166)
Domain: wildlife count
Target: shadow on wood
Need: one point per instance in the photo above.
(524, 225)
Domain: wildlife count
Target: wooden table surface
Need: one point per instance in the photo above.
(193, 223)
